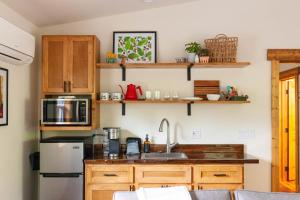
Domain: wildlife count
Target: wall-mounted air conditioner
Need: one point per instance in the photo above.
(16, 46)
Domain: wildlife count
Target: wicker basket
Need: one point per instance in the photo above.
(222, 48)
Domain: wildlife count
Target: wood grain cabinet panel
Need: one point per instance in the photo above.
(163, 174)
(214, 186)
(55, 50)
(82, 64)
(157, 185)
(104, 191)
(218, 174)
(109, 174)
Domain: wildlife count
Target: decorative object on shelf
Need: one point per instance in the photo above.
(3, 97)
(204, 58)
(204, 87)
(232, 94)
(192, 50)
(148, 95)
(123, 60)
(137, 46)
(181, 60)
(111, 57)
(222, 48)
(131, 93)
(157, 95)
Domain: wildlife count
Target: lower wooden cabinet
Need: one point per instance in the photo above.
(104, 191)
(101, 181)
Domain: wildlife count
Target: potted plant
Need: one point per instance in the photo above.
(204, 58)
(192, 49)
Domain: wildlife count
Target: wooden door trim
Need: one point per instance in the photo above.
(277, 56)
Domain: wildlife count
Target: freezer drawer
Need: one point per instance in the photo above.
(61, 188)
(61, 157)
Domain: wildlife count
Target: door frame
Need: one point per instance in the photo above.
(277, 56)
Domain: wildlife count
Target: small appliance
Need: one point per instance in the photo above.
(61, 167)
(131, 93)
(134, 145)
(66, 110)
(113, 141)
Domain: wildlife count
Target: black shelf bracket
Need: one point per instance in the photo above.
(189, 69)
(123, 108)
(189, 108)
(123, 67)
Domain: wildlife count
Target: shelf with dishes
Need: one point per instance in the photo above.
(169, 65)
(177, 101)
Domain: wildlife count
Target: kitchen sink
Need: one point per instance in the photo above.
(164, 156)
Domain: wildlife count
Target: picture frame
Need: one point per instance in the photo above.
(135, 46)
(3, 96)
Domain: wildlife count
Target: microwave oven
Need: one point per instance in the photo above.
(66, 111)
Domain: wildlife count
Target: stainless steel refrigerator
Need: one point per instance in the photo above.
(62, 168)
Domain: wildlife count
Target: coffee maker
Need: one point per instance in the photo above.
(113, 134)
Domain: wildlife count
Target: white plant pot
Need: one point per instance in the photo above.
(191, 57)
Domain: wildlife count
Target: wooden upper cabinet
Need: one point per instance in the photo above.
(55, 50)
(69, 64)
(82, 65)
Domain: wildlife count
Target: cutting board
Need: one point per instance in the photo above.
(204, 87)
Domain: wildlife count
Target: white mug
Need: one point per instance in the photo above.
(104, 96)
(116, 96)
(148, 94)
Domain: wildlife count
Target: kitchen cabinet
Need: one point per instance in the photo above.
(102, 180)
(69, 64)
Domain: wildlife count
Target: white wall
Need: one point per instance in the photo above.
(258, 24)
(18, 139)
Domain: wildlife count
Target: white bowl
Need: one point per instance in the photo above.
(213, 97)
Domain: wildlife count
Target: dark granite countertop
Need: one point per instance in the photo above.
(197, 154)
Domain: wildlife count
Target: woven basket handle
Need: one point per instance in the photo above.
(221, 36)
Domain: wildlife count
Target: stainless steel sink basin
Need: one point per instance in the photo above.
(164, 156)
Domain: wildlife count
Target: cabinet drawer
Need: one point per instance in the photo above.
(218, 174)
(109, 174)
(231, 187)
(163, 174)
(157, 185)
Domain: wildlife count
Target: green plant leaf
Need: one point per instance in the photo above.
(120, 50)
(132, 40)
(128, 45)
(143, 42)
(149, 55)
(133, 56)
(127, 38)
(141, 52)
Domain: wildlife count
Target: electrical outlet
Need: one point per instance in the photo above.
(197, 134)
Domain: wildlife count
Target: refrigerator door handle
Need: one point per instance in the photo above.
(58, 175)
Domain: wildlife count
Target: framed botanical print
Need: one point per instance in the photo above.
(3, 97)
(136, 47)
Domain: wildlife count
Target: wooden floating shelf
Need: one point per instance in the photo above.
(179, 101)
(171, 65)
(171, 102)
(166, 65)
(66, 128)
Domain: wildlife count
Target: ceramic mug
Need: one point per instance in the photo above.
(104, 96)
(116, 96)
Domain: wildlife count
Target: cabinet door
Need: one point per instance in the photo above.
(104, 191)
(55, 59)
(163, 174)
(82, 64)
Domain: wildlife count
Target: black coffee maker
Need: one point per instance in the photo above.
(113, 134)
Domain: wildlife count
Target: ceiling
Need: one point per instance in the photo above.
(52, 12)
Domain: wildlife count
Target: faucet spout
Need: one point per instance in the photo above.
(169, 145)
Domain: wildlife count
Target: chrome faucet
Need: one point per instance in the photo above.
(161, 126)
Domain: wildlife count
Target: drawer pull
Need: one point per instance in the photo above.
(110, 175)
(220, 175)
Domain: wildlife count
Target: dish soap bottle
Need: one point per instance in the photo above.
(147, 144)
